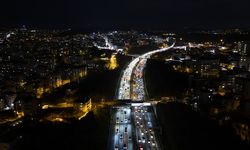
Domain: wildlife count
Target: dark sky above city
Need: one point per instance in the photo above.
(125, 13)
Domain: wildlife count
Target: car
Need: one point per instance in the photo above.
(139, 139)
(140, 148)
(20, 137)
(125, 146)
(148, 141)
(126, 129)
(117, 130)
(143, 140)
(153, 143)
(129, 138)
(151, 136)
(121, 136)
(116, 147)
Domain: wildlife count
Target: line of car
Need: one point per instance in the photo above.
(144, 129)
(123, 129)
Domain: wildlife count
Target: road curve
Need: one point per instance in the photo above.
(124, 91)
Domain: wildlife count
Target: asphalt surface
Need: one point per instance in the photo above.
(133, 127)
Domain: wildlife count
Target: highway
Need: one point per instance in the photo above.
(125, 86)
(137, 89)
(122, 128)
(133, 127)
(145, 128)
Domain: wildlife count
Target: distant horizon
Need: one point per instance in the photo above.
(132, 14)
(125, 28)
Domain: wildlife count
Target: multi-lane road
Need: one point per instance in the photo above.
(134, 125)
(135, 67)
(145, 128)
(137, 88)
(122, 128)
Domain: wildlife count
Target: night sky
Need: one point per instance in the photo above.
(125, 13)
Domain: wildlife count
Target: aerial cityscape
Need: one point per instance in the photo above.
(125, 75)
